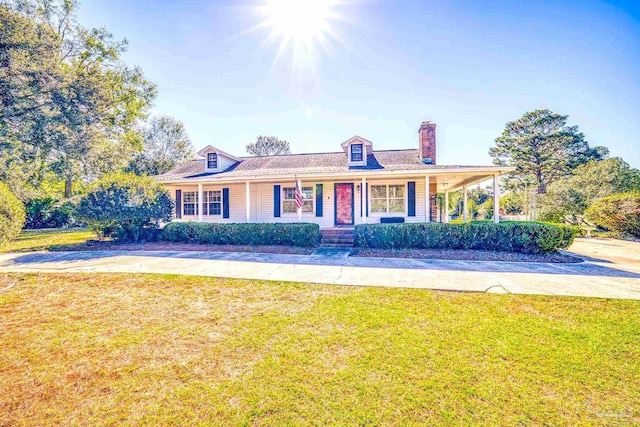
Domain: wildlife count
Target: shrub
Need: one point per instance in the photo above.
(527, 237)
(126, 206)
(11, 215)
(291, 234)
(619, 213)
(49, 213)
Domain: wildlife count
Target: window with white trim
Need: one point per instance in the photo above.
(190, 203)
(289, 200)
(212, 161)
(356, 152)
(388, 198)
(212, 202)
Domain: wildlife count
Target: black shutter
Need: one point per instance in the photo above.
(276, 201)
(367, 196)
(319, 193)
(178, 204)
(225, 203)
(411, 198)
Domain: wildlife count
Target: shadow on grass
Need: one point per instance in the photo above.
(173, 259)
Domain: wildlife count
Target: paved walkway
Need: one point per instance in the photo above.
(612, 269)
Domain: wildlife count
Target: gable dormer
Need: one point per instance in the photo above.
(216, 160)
(357, 150)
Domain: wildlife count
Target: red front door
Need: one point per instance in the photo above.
(344, 204)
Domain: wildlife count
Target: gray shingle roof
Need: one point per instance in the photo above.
(301, 164)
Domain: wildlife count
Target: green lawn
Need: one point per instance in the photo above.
(174, 350)
(48, 239)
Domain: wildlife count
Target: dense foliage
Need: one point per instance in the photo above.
(11, 215)
(49, 213)
(479, 203)
(293, 234)
(127, 206)
(619, 213)
(543, 148)
(527, 237)
(513, 203)
(67, 100)
(568, 198)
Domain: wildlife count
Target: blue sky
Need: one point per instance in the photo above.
(468, 66)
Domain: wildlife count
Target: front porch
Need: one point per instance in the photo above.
(331, 202)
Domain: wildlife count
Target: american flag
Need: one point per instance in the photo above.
(298, 194)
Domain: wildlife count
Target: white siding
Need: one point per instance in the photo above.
(420, 200)
(237, 202)
(261, 202)
(224, 162)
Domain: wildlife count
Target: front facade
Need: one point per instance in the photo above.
(356, 185)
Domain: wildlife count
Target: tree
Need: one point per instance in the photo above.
(543, 148)
(512, 202)
(166, 145)
(12, 215)
(67, 98)
(268, 146)
(567, 199)
(619, 213)
(130, 207)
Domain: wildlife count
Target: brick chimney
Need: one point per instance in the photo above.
(427, 142)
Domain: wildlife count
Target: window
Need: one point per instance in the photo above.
(356, 152)
(212, 202)
(212, 161)
(289, 200)
(190, 203)
(388, 198)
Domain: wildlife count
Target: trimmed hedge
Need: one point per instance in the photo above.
(516, 236)
(281, 234)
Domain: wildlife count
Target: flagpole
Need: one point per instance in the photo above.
(299, 189)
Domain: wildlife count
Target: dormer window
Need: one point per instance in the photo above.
(212, 161)
(356, 152)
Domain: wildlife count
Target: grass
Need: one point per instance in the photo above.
(48, 239)
(173, 350)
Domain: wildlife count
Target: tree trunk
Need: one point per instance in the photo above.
(68, 186)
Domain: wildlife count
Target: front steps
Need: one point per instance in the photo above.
(337, 238)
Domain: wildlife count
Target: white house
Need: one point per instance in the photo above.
(355, 185)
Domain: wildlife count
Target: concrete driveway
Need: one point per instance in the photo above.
(611, 269)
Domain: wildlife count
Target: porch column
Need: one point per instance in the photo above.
(446, 207)
(363, 201)
(200, 202)
(427, 200)
(465, 199)
(248, 200)
(496, 199)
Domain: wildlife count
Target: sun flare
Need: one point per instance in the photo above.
(299, 20)
(301, 25)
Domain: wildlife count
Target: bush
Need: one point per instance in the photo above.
(49, 213)
(527, 237)
(126, 206)
(11, 215)
(293, 234)
(619, 213)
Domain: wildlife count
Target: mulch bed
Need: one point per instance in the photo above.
(466, 255)
(170, 246)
